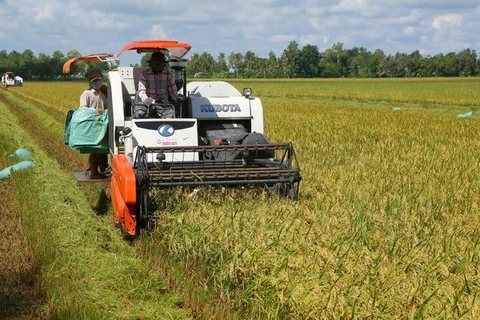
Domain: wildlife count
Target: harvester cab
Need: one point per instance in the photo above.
(215, 139)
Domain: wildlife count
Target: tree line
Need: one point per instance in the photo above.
(294, 62)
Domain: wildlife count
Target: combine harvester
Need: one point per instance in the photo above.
(9, 79)
(215, 139)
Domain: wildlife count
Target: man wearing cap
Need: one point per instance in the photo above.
(93, 97)
(156, 85)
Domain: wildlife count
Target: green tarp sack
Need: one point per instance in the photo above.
(86, 130)
(66, 133)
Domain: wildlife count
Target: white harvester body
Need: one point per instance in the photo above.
(11, 80)
(208, 101)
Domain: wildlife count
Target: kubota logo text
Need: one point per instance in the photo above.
(220, 108)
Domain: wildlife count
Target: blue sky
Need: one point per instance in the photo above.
(261, 26)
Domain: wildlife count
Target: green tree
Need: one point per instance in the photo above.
(27, 61)
(357, 58)
(467, 63)
(272, 68)
(201, 65)
(221, 66)
(236, 63)
(58, 59)
(374, 61)
(388, 67)
(288, 60)
(334, 62)
(416, 62)
(359, 67)
(308, 62)
(445, 65)
(43, 69)
(254, 67)
(293, 62)
(403, 65)
(14, 59)
(3, 61)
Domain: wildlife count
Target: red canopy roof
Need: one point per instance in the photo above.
(91, 57)
(175, 48)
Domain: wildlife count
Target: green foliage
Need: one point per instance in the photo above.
(294, 62)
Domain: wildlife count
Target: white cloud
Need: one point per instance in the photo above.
(282, 37)
(217, 26)
(157, 32)
(408, 31)
(45, 12)
(349, 6)
(447, 19)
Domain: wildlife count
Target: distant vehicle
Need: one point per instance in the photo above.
(11, 80)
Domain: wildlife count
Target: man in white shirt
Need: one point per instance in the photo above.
(93, 97)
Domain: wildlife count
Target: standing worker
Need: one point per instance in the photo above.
(94, 98)
(4, 80)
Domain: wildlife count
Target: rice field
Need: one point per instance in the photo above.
(387, 225)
